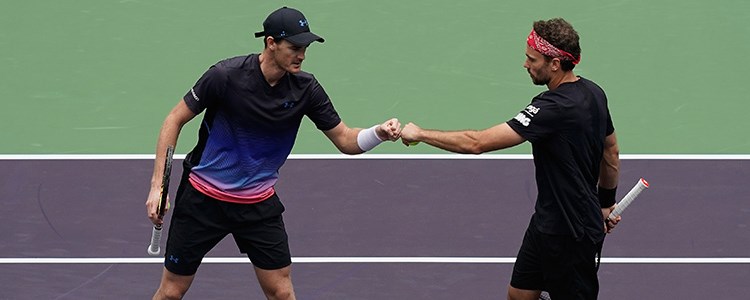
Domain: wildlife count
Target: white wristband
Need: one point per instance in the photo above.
(367, 139)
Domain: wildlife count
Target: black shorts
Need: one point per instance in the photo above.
(560, 265)
(199, 222)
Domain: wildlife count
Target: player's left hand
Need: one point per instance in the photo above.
(389, 130)
(609, 224)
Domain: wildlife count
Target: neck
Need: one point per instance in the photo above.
(566, 76)
(271, 71)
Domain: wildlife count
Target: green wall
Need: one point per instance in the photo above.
(98, 76)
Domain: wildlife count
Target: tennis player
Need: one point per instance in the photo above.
(576, 158)
(253, 106)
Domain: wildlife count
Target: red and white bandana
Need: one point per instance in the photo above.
(544, 47)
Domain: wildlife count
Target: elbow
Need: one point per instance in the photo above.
(350, 152)
(478, 142)
(611, 159)
(473, 148)
(614, 151)
(349, 149)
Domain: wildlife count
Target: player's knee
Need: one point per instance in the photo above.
(282, 293)
(276, 283)
(169, 294)
(279, 290)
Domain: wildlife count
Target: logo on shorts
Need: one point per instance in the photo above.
(174, 259)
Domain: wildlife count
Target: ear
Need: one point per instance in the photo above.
(271, 43)
(555, 64)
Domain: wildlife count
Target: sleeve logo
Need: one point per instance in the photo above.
(525, 116)
(195, 95)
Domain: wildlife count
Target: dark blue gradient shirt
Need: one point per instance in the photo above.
(249, 127)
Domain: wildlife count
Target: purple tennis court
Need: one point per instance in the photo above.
(375, 228)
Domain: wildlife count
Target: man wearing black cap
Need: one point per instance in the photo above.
(253, 107)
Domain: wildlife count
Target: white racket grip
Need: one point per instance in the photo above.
(641, 185)
(154, 249)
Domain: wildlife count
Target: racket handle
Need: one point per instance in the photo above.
(154, 249)
(641, 185)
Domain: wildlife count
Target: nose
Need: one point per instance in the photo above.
(301, 54)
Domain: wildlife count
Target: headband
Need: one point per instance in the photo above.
(538, 43)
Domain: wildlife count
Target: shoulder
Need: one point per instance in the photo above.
(303, 81)
(548, 99)
(593, 86)
(570, 93)
(234, 68)
(237, 63)
(303, 78)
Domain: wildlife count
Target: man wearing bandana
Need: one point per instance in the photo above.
(576, 161)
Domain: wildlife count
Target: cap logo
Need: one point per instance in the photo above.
(283, 33)
(302, 23)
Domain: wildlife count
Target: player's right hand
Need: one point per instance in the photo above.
(409, 134)
(152, 204)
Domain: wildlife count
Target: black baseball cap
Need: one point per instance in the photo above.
(289, 24)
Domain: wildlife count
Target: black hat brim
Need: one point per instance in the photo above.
(304, 39)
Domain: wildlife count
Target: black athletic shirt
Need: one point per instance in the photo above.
(567, 127)
(249, 127)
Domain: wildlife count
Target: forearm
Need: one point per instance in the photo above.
(168, 134)
(466, 141)
(609, 172)
(350, 144)
(345, 138)
(497, 137)
(358, 140)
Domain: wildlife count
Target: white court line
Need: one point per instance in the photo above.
(330, 260)
(374, 156)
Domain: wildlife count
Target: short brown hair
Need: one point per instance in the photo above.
(560, 34)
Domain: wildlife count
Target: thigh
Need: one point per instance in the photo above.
(573, 270)
(195, 228)
(558, 264)
(261, 234)
(528, 270)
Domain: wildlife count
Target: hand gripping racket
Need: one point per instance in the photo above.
(641, 185)
(154, 248)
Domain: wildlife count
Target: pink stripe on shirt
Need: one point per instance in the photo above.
(209, 190)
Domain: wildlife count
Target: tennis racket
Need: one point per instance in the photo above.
(153, 248)
(639, 187)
